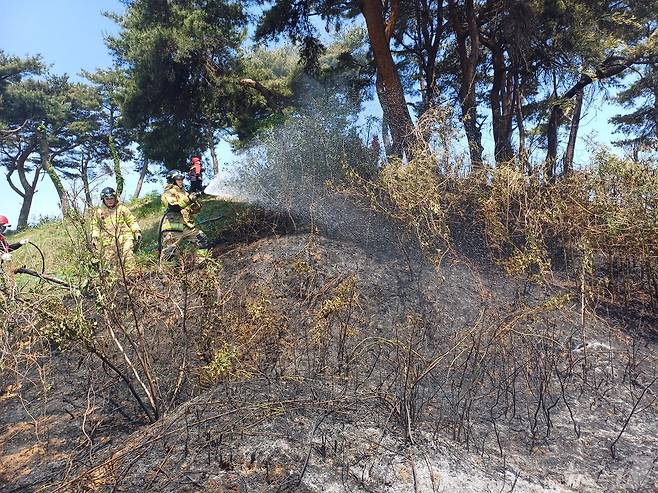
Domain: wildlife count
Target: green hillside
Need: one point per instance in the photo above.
(58, 239)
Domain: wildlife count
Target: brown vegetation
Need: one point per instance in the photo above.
(302, 363)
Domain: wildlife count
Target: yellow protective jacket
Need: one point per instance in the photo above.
(117, 223)
(179, 208)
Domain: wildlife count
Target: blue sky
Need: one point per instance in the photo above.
(69, 35)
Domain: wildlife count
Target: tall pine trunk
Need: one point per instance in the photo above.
(140, 181)
(84, 175)
(567, 168)
(47, 164)
(116, 161)
(28, 195)
(429, 35)
(467, 35)
(552, 141)
(518, 109)
(213, 152)
(389, 87)
(655, 100)
(502, 102)
(24, 214)
(28, 188)
(611, 66)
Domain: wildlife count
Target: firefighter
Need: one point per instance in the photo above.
(115, 232)
(5, 247)
(196, 176)
(177, 226)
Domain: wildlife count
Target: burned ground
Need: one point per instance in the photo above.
(329, 366)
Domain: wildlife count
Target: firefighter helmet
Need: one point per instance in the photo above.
(4, 223)
(108, 192)
(174, 175)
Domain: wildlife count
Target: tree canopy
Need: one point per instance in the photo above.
(189, 73)
(181, 58)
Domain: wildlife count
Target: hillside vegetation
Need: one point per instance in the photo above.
(400, 331)
(55, 237)
(429, 278)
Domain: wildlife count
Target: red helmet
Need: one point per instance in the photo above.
(195, 159)
(4, 221)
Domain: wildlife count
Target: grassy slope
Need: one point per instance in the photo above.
(54, 237)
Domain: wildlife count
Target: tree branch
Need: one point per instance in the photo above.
(392, 19)
(271, 98)
(6, 133)
(11, 184)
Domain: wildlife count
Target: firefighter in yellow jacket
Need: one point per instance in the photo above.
(177, 227)
(115, 232)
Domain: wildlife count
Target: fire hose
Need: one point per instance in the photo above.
(42, 275)
(160, 230)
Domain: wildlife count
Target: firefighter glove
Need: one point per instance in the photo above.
(202, 240)
(5, 257)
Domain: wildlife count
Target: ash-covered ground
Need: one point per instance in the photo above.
(358, 368)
